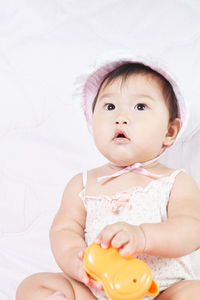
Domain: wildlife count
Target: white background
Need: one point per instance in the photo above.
(44, 46)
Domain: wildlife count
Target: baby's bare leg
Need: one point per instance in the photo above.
(184, 290)
(40, 286)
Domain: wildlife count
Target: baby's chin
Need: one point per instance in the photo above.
(125, 162)
(122, 162)
(120, 156)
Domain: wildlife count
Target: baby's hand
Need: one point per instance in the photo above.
(85, 278)
(128, 238)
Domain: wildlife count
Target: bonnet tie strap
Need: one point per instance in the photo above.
(136, 167)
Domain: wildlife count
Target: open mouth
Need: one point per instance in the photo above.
(120, 137)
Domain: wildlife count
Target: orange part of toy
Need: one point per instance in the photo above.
(123, 278)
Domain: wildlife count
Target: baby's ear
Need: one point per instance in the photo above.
(173, 130)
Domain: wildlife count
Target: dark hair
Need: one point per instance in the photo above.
(128, 69)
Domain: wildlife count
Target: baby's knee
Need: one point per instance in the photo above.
(41, 285)
(167, 295)
(27, 286)
(180, 295)
(187, 294)
(177, 296)
(189, 289)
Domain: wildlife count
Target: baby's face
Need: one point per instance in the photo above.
(130, 120)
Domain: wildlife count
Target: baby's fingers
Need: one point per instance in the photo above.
(81, 255)
(84, 278)
(120, 239)
(95, 284)
(127, 250)
(107, 234)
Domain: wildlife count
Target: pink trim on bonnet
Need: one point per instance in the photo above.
(92, 84)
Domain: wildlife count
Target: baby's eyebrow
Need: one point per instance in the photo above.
(135, 96)
(106, 95)
(143, 96)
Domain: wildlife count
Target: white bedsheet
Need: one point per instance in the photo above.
(44, 46)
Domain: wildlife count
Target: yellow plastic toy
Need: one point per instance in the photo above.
(123, 278)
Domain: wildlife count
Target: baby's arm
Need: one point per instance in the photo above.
(67, 231)
(179, 234)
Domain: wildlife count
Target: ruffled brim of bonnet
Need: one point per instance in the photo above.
(93, 79)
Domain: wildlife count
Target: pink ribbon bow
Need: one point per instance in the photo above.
(120, 201)
(137, 167)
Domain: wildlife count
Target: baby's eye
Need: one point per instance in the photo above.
(109, 106)
(140, 106)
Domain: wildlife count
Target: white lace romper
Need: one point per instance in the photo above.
(148, 205)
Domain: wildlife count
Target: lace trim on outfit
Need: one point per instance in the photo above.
(127, 192)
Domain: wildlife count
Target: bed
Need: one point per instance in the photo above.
(44, 140)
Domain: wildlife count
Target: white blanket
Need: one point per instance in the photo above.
(44, 46)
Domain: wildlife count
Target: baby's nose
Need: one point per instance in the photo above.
(121, 120)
